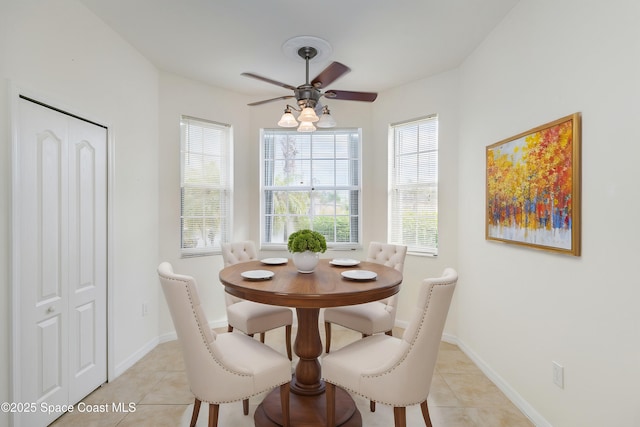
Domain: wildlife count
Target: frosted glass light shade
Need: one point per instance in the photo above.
(308, 115)
(287, 120)
(306, 127)
(326, 121)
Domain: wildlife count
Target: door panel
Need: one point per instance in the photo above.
(86, 321)
(49, 357)
(47, 197)
(85, 170)
(88, 257)
(43, 209)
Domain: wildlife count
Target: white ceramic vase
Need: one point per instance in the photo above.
(305, 261)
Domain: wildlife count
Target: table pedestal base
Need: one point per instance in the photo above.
(307, 411)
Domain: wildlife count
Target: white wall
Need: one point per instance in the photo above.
(519, 309)
(62, 53)
(180, 96)
(436, 95)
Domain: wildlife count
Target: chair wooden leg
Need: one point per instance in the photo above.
(372, 406)
(330, 392)
(287, 333)
(213, 414)
(284, 402)
(425, 414)
(229, 328)
(327, 334)
(194, 414)
(262, 337)
(400, 416)
(245, 406)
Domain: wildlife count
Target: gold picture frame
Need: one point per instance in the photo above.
(533, 187)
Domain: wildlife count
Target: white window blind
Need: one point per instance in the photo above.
(413, 198)
(311, 180)
(205, 208)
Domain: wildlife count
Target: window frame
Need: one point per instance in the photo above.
(394, 171)
(225, 188)
(357, 244)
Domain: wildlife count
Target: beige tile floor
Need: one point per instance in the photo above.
(461, 395)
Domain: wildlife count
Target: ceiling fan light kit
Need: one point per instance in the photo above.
(308, 94)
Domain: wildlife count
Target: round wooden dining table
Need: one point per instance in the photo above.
(308, 293)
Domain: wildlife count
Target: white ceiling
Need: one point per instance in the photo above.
(386, 43)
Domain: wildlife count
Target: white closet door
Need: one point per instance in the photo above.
(60, 245)
(87, 258)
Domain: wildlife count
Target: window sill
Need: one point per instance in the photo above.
(422, 254)
(184, 255)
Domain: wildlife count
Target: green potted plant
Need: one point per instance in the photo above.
(306, 246)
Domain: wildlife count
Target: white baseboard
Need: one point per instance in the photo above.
(150, 345)
(451, 339)
(135, 357)
(171, 336)
(534, 416)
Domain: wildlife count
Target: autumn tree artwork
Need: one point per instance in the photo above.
(533, 187)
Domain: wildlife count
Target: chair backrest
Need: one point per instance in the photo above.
(416, 358)
(233, 253)
(391, 256)
(387, 254)
(206, 368)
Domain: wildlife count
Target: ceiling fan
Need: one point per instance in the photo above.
(309, 93)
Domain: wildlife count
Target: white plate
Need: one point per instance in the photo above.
(359, 274)
(344, 262)
(257, 274)
(274, 261)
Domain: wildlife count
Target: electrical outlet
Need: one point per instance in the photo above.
(145, 309)
(558, 374)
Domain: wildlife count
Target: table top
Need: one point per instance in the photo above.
(325, 287)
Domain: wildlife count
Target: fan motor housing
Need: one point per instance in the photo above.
(307, 96)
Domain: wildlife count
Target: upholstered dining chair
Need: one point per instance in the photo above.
(390, 370)
(373, 317)
(225, 367)
(248, 316)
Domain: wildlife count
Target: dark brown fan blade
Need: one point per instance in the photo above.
(334, 71)
(271, 100)
(351, 96)
(273, 82)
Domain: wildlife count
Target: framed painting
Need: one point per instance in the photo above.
(533, 188)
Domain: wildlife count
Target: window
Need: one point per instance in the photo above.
(311, 180)
(205, 184)
(413, 197)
